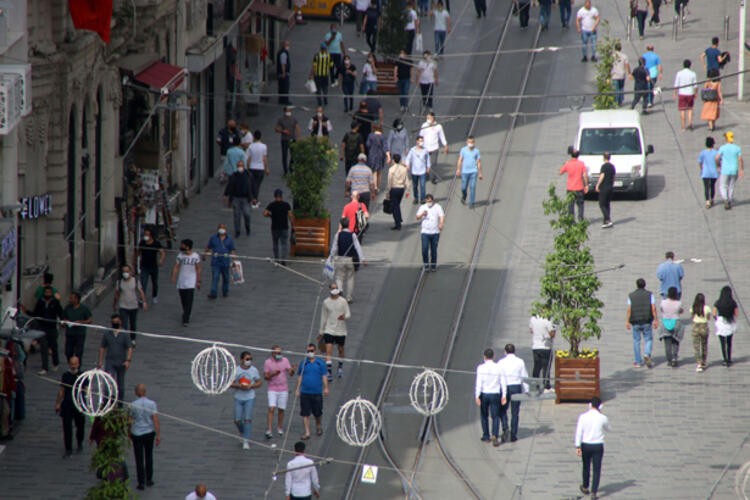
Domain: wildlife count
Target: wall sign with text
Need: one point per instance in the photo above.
(33, 207)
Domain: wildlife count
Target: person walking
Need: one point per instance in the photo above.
(237, 194)
(620, 70)
(288, 129)
(468, 169)
(712, 58)
(347, 255)
(427, 76)
(75, 315)
(655, 19)
(577, 183)
(116, 355)
(128, 298)
(640, 317)
(333, 316)
(412, 26)
(513, 370)
(246, 380)
(258, 155)
(348, 81)
(67, 410)
(361, 179)
(641, 8)
(365, 119)
(357, 214)
(489, 393)
(605, 187)
(152, 256)
(334, 41)
(320, 72)
(319, 124)
(726, 312)
(418, 162)
(670, 274)
(434, 137)
(228, 137)
(713, 99)
(371, 25)
(523, 7)
(542, 332)
(47, 312)
(301, 478)
(545, 10)
(220, 248)
(709, 171)
(671, 325)
(655, 71)
(589, 442)
(186, 274)
(283, 70)
(352, 145)
(433, 218)
(641, 85)
(565, 12)
(276, 371)
(587, 22)
(700, 314)
(686, 87)
(442, 26)
(200, 493)
(312, 385)
(376, 156)
(145, 431)
(731, 166)
(402, 74)
(360, 8)
(369, 76)
(399, 185)
(397, 140)
(280, 213)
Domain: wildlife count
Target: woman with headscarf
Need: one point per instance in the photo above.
(725, 312)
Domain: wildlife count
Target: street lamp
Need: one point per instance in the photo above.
(741, 61)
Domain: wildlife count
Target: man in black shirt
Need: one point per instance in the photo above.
(605, 187)
(152, 256)
(48, 310)
(280, 213)
(228, 137)
(66, 409)
(402, 73)
(238, 193)
(641, 80)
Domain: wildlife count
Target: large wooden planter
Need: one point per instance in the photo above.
(386, 84)
(576, 379)
(312, 237)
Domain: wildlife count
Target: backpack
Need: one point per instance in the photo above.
(360, 220)
(351, 144)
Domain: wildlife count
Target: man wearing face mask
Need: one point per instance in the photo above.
(246, 380)
(276, 371)
(427, 76)
(348, 81)
(333, 316)
(67, 410)
(432, 216)
(186, 273)
(221, 249)
(152, 256)
(128, 295)
(312, 385)
(289, 130)
(320, 125)
(335, 42)
(418, 161)
(434, 137)
(468, 167)
(115, 355)
(237, 193)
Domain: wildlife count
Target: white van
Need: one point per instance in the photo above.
(618, 132)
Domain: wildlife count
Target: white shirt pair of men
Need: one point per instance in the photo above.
(494, 378)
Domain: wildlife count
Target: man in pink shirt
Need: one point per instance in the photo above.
(276, 369)
(350, 212)
(578, 182)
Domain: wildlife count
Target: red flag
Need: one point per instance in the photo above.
(93, 15)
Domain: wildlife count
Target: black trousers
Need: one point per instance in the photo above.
(321, 90)
(69, 417)
(284, 89)
(118, 373)
(143, 447)
(481, 7)
(129, 319)
(396, 196)
(371, 37)
(338, 64)
(641, 16)
(257, 179)
(541, 366)
(605, 199)
(47, 343)
(709, 188)
(638, 95)
(285, 157)
(678, 4)
(577, 202)
(186, 299)
(523, 13)
(410, 34)
(726, 347)
(74, 345)
(153, 273)
(655, 17)
(592, 453)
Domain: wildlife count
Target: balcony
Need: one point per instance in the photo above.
(12, 23)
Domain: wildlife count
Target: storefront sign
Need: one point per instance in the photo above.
(7, 253)
(33, 207)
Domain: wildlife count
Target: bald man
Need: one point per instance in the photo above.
(200, 493)
(67, 410)
(144, 431)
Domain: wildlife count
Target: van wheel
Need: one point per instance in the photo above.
(643, 193)
(344, 9)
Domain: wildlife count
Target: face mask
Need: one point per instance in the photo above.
(320, 115)
(311, 355)
(147, 238)
(247, 362)
(429, 204)
(240, 169)
(288, 113)
(222, 231)
(277, 357)
(125, 276)
(346, 63)
(74, 371)
(471, 146)
(115, 325)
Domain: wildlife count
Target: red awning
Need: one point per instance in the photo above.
(162, 77)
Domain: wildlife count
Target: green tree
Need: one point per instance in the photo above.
(315, 161)
(109, 459)
(392, 37)
(605, 98)
(569, 285)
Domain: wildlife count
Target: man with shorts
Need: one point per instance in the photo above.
(276, 370)
(312, 385)
(333, 318)
(685, 89)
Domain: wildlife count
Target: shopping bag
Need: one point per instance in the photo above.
(418, 44)
(329, 268)
(236, 273)
(310, 86)
(387, 206)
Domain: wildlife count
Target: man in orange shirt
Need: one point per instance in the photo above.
(578, 182)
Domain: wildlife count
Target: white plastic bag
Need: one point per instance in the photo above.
(329, 268)
(310, 86)
(238, 277)
(418, 44)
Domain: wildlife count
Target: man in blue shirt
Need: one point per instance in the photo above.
(670, 274)
(312, 385)
(712, 57)
(468, 167)
(335, 42)
(653, 66)
(729, 161)
(221, 249)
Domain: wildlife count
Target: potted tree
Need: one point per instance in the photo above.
(568, 299)
(315, 161)
(605, 98)
(110, 433)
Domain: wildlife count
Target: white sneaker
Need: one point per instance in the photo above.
(42, 372)
(280, 432)
(155, 300)
(335, 84)
(699, 368)
(245, 444)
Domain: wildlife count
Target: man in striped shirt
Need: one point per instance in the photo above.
(320, 72)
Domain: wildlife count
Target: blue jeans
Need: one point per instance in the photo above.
(216, 273)
(648, 340)
(418, 185)
(243, 416)
(544, 14)
(586, 37)
(364, 86)
(515, 409)
(469, 180)
(490, 406)
(403, 92)
(439, 42)
(619, 87)
(153, 273)
(565, 12)
(429, 250)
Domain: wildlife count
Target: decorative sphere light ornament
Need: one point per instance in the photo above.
(95, 393)
(428, 393)
(213, 370)
(358, 422)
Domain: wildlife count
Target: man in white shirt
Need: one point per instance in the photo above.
(418, 162)
(301, 479)
(513, 370)
(543, 331)
(433, 217)
(186, 273)
(258, 155)
(200, 493)
(685, 83)
(587, 20)
(489, 393)
(333, 316)
(589, 441)
(434, 137)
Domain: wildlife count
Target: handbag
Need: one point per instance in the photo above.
(709, 94)
(387, 206)
(310, 86)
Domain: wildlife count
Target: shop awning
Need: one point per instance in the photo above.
(275, 11)
(162, 77)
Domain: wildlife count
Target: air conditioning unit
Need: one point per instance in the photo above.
(11, 102)
(24, 71)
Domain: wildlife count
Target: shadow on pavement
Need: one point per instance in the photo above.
(621, 382)
(612, 488)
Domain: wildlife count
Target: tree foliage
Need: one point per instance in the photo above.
(605, 98)
(569, 285)
(315, 161)
(392, 37)
(109, 460)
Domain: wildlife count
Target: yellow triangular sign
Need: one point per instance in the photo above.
(369, 474)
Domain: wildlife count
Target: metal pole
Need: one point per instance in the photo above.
(630, 28)
(674, 28)
(682, 16)
(741, 61)
(726, 27)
